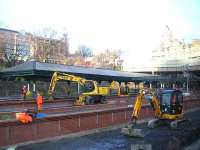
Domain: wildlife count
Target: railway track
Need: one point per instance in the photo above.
(66, 105)
(109, 105)
(63, 106)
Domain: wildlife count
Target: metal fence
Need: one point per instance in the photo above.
(12, 89)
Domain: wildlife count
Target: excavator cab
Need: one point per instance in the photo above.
(89, 86)
(171, 102)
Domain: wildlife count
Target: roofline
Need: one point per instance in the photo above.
(148, 75)
(40, 68)
(9, 30)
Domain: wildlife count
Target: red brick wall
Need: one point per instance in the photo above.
(14, 132)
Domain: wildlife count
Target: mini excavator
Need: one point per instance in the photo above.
(167, 106)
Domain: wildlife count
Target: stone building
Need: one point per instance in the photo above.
(175, 52)
(195, 48)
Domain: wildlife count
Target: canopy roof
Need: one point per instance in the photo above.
(34, 70)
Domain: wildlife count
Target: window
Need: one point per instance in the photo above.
(166, 98)
(180, 98)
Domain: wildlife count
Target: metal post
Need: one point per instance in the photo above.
(187, 83)
(28, 88)
(163, 85)
(150, 85)
(34, 87)
(78, 89)
(173, 86)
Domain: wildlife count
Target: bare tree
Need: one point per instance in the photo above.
(109, 60)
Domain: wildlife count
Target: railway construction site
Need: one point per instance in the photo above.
(62, 124)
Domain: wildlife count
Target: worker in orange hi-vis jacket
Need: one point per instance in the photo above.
(39, 101)
(24, 117)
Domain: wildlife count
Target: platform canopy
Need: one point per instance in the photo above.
(34, 70)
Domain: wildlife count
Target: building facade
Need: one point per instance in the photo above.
(175, 52)
(8, 43)
(24, 46)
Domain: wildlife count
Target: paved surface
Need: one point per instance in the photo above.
(159, 138)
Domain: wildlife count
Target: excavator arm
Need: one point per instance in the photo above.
(138, 104)
(156, 106)
(91, 93)
(63, 76)
(90, 86)
(130, 130)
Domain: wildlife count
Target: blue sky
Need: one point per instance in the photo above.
(190, 10)
(134, 26)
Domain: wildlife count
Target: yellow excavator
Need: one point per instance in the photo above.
(167, 106)
(92, 93)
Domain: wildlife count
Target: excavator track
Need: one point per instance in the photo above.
(181, 123)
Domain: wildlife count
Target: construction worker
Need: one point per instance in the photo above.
(24, 117)
(23, 92)
(39, 101)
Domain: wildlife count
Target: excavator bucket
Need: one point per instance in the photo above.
(80, 100)
(131, 131)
